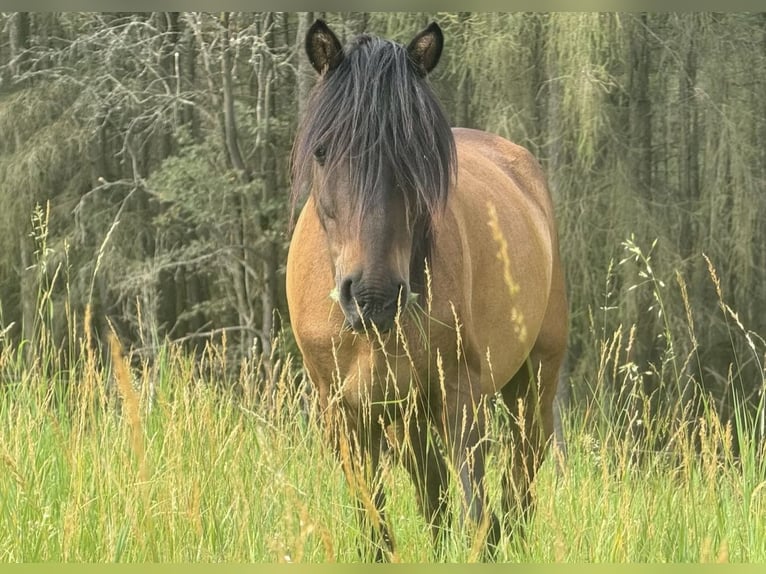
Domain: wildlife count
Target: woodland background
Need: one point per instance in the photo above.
(144, 173)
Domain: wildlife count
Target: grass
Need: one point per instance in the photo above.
(121, 460)
(199, 477)
(201, 474)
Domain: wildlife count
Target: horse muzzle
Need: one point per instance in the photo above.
(368, 305)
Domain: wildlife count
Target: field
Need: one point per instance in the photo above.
(174, 462)
(153, 152)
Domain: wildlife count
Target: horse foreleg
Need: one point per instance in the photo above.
(466, 438)
(424, 462)
(360, 451)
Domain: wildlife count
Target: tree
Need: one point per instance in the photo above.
(167, 136)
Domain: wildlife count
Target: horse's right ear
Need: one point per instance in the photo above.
(322, 47)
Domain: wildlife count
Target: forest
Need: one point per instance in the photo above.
(144, 176)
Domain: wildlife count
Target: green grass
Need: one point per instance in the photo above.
(199, 474)
(174, 461)
(199, 477)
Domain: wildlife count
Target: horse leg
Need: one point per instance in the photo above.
(360, 448)
(427, 468)
(529, 397)
(465, 430)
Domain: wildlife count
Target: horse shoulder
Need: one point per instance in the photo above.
(313, 315)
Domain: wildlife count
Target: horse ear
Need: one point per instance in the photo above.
(322, 47)
(426, 48)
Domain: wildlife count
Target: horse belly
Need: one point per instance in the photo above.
(505, 265)
(510, 310)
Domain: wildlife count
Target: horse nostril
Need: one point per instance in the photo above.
(403, 294)
(345, 290)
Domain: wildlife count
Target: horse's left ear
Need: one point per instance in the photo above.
(426, 48)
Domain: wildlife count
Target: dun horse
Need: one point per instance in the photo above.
(423, 277)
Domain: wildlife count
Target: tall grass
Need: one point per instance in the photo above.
(121, 459)
(205, 475)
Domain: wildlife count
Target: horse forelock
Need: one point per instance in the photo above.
(375, 110)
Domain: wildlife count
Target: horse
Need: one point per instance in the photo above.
(423, 283)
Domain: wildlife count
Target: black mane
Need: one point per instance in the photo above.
(376, 108)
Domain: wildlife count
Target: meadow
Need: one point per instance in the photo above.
(121, 460)
(161, 157)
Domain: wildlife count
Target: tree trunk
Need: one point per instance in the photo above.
(167, 284)
(689, 144)
(555, 165)
(267, 84)
(639, 167)
(230, 120)
(231, 139)
(28, 292)
(537, 84)
(464, 117)
(303, 70)
(19, 42)
(188, 78)
(640, 120)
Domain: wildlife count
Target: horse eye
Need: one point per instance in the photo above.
(320, 153)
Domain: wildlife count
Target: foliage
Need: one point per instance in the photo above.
(161, 142)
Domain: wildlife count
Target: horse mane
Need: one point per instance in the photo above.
(375, 108)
